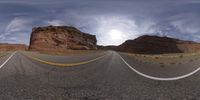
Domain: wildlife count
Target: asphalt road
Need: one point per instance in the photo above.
(96, 76)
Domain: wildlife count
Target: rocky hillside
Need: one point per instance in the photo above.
(12, 47)
(158, 45)
(60, 38)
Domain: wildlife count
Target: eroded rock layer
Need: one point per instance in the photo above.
(158, 45)
(60, 38)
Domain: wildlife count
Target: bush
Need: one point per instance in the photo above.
(162, 65)
(172, 63)
(181, 56)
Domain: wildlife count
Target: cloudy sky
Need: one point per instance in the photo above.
(112, 21)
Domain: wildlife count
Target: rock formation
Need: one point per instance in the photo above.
(158, 45)
(60, 38)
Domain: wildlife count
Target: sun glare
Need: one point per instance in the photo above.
(115, 34)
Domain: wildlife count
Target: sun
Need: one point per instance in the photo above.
(115, 34)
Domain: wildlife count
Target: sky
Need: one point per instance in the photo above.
(112, 21)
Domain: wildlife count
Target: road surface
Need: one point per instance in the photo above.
(96, 76)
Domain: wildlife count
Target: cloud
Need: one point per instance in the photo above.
(128, 27)
(189, 24)
(55, 22)
(17, 24)
(16, 31)
(174, 18)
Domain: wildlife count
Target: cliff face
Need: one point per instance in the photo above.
(158, 45)
(60, 38)
(12, 47)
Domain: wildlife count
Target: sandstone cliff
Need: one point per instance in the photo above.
(12, 47)
(158, 45)
(60, 38)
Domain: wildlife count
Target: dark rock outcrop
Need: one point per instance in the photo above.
(158, 45)
(60, 38)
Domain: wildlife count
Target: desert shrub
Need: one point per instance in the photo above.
(172, 63)
(181, 56)
(161, 63)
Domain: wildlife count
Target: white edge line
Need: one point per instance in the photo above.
(8, 59)
(158, 78)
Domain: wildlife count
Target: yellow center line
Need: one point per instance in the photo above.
(64, 65)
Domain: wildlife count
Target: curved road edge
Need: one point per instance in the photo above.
(159, 78)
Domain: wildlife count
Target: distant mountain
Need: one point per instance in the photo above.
(12, 47)
(158, 45)
(60, 38)
(110, 47)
